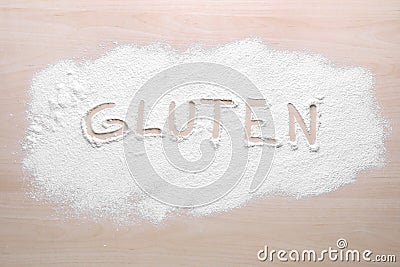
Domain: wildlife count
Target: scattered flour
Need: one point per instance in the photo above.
(93, 181)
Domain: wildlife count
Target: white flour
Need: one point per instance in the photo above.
(94, 182)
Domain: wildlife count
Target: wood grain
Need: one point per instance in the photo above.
(366, 213)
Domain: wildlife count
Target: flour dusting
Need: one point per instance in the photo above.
(89, 177)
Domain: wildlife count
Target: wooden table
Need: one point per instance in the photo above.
(366, 213)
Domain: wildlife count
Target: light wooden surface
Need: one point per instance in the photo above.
(366, 213)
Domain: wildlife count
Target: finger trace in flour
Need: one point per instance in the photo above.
(326, 119)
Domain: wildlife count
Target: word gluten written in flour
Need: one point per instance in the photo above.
(71, 101)
(97, 138)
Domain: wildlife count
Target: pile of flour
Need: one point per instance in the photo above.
(93, 181)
